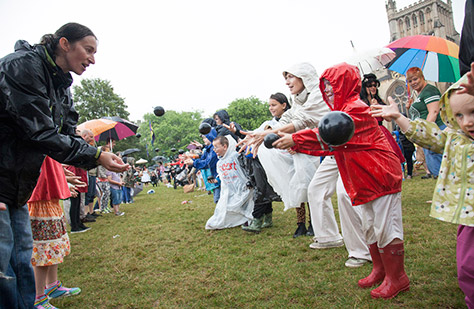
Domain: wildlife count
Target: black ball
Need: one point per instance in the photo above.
(138, 135)
(181, 151)
(204, 128)
(173, 149)
(159, 111)
(336, 128)
(157, 149)
(270, 139)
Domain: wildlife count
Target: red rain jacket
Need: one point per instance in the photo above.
(368, 165)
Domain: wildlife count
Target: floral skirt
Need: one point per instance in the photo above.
(50, 239)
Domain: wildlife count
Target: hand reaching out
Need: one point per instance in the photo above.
(230, 127)
(469, 86)
(284, 142)
(387, 112)
(391, 112)
(76, 181)
(252, 140)
(67, 172)
(73, 191)
(112, 162)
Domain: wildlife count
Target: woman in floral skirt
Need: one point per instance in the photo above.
(50, 238)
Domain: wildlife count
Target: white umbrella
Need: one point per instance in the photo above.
(141, 161)
(371, 60)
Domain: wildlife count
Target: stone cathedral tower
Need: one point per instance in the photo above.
(426, 17)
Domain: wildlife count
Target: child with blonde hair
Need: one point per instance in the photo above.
(453, 196)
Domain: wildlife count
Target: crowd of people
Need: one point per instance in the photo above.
(45, 160)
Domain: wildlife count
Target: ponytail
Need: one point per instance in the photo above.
(73, 32)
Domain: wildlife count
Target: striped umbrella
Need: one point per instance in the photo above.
(435, 56)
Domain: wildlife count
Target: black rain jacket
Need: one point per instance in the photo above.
(37, 118)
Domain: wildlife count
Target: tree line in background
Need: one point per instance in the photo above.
(95, 98)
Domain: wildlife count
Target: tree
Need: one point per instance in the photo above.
(95, 98)
(172, 130)
(250, 113)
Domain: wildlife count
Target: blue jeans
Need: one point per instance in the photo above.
(17, 280)
(433, 159)
(217, 194)
(126, 194)
(90, 194)
(116, 195)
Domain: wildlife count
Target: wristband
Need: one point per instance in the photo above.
(98, 153)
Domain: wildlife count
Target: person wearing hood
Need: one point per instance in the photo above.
(371, 174)
(222, 120)
(236, 202)
(306, 110)
(37, 118)
(452, 199)
(207, 164)
(313, 185)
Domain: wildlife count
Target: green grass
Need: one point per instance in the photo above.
(164, 258)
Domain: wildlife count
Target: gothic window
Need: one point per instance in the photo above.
(407, 22)
(422, 22)
(415, 21)
(428, 15)
(400, 28)
(398, 92)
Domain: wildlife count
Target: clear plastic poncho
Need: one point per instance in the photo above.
(235, 205)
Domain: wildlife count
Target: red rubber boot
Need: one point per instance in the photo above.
(378, 272)
(396, 280)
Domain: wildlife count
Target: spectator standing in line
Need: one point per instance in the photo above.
(425, 106)
(37, 117)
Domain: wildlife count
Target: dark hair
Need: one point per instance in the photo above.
(73, 32)
(281, 98)
(364, 96)
(222, 140)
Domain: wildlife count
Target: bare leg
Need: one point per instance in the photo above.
(52, 275)
(41, 275)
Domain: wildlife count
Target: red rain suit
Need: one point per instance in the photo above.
(368, 166)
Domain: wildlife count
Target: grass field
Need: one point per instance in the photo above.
(160, 256)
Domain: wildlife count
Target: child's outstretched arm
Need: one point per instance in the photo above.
(390, 112)
(469, 86)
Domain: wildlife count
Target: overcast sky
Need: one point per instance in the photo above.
(203, 54)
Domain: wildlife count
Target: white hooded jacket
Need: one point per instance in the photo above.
(308, 106)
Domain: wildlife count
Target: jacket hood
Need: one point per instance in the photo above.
(224, 116)
(22, 45)
(345, 82)
(211, 135)
(446, 112)
(60, 79)
(307, 73)
(210, 121)
(231, 149)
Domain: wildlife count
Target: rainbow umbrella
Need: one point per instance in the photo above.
(435, 56)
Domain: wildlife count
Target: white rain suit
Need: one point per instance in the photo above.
(290, 175)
